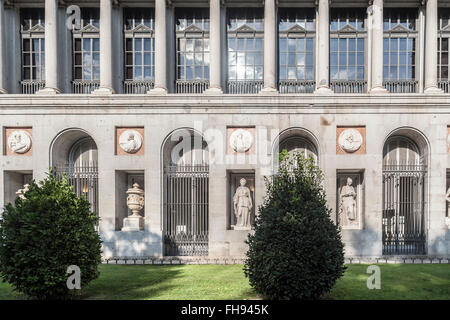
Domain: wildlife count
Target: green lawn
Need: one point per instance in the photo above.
(228, 282)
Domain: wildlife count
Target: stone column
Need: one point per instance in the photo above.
(215, 50)
(51, 48)
(323, 63)
(160, 48)
(431, 45)
(2, 49)
(377, 47)
(269, 47)
(106, 49)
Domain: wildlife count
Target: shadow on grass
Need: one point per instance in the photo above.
(131, 282)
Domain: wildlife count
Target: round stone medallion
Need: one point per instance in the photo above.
(241, 140)
(130, 141)
(350, 140)
(19, 141)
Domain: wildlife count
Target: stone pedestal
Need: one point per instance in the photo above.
(133, 223)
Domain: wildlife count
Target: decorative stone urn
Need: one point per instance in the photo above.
(135, 201)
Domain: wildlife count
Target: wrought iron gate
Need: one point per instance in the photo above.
(84, 180)
(186, 217)
(403, 209)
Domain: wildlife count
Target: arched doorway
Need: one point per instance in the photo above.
(74, 154)
(294, 141)
(186, 185)
(404, 201)
(299, 144)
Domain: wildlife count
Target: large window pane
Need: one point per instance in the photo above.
(192, 33)
(347, 44)
(245, 49)
(296, 44)
(139, 43)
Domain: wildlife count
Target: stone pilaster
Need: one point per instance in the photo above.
(377, 47)
(215, 50)
(431, 45)
(106, 49)
(323, 34)
(51, 48)
(270, 46)
(160, 48)
(2, 49)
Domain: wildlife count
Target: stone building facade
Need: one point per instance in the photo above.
(191, 101)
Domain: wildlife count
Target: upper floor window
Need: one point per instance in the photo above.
(296, 50)
(139, 26)
(32, 29)
(245, 31)
(347, 39)
(443, 39)
(86, 52)
(192, 41)
(399, 50)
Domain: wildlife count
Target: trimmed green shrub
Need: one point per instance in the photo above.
(296, 250)
(45, 233)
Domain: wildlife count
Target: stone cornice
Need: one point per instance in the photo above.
(130, 104)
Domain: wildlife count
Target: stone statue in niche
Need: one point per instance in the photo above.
(19, 141)
(130, 141)
(347, 204)
(135, 202)
(350, 140)
(242, 201)
(241, 141)
(447, 197)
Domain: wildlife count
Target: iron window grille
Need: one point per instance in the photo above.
(296, 50)
(399, 50)
(347, 50)
(86, 52)
(32, 31)
(443, 39)
(139, 26)
(192, 43)
(245, 31)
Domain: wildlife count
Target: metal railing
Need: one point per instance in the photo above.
(244, 86)
(32, 86)
(296, 86)
(191, 86)
(444, 85)
(83, 179)
(401, 86)
(137, 87)
(84, 86)
(403, 228)
(186, 210)
(349, 86)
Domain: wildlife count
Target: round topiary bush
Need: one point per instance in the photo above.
(45, 233)
(296, 250)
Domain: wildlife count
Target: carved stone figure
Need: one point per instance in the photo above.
(19, 141)
(447, 197)
(130, 141)
(242, 201)
(135, 201)
(347, 204)
(241, 140)
(350, 140)
(21, 192)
